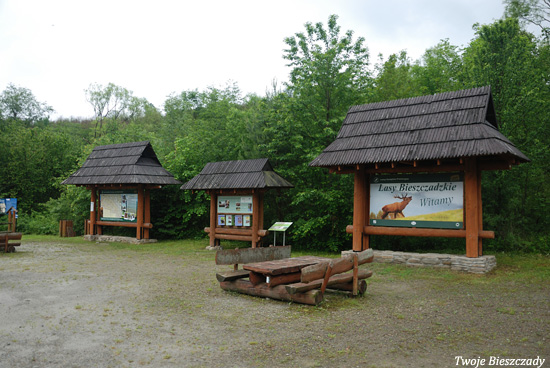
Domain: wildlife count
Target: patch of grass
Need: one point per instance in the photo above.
(510, 311)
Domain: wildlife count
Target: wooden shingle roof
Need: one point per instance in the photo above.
(241, 174)
(446, 125)
(126, 163)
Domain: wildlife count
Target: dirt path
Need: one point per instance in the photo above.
(90, 305)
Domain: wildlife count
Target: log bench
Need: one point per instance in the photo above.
(6, 244)
(301, 279)
(247, 255)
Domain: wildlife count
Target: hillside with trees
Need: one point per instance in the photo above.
(330, 70)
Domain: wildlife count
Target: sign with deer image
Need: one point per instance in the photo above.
(417, 200)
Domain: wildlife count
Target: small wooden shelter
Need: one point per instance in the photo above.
(452, 132)
(120, 178)
(236, 190)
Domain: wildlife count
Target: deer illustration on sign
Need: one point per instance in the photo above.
(396, 207)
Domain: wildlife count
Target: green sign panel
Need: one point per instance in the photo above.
(280, 226)
(118, 205)
(418, 200)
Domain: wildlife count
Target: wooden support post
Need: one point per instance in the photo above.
(255, 218)
(355, 274)
(366, 236)
(471, 207)
(141, 200)
(480, 212)
(93, 207)
(147, 213)
(213, 216)
(359, 207)
(261, 214)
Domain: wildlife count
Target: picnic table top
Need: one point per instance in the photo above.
(283, 266)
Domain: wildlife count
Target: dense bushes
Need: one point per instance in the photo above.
(291, 125)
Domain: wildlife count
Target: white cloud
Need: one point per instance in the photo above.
(57, 48)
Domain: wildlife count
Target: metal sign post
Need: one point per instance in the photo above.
(277, 227)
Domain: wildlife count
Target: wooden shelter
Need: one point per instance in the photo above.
(452, 132)
(120, 178)
(236, 190)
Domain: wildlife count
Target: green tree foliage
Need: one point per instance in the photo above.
(114, 103)
(19, 104)
(329, 73)
(535, 12)
(329, 70)
(516, 66)
(291, 126)
(438, 70)
(33, 161)
(394, 79)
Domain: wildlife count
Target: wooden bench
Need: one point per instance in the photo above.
(6, 245)
(247, 255)
(314, 274)
(331, 275)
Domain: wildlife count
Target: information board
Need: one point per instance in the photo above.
(118, 205)
(417, 200)
(6, 204)
(280, 226)
(235, 204)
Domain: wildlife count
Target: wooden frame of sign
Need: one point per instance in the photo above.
(252, 233)
(94, 226)
(473, 232)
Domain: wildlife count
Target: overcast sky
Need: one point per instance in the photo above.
(57, 48)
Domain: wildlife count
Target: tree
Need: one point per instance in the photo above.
(516, 66)
(115, 103)
(438, 70)
(329, 71)
(19, 103)
(394, 79)
(536, 12)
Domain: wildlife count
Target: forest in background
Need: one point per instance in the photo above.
(330, 70)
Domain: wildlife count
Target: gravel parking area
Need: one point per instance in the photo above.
(83, 304)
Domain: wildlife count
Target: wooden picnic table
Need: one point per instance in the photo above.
(272, 273)
(280, 271)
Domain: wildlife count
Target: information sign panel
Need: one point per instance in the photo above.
(417, 200)
(6, 204)
(235, 204)
(119, 205)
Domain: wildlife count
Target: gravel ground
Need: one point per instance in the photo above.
(75, 304)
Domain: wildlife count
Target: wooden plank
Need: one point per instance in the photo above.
(413, 231)
(236, 231)
(256, 278)
(10, 236)
(301, 287)
(286, 265)
(232, 275)
(286, 278)
(251, 255)
(339, 265)
(312, 297)
(246, 238)
(348, 286)
(122, 224)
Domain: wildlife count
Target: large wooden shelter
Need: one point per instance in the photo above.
(236, 190)
(452, 132)
(120, 178)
